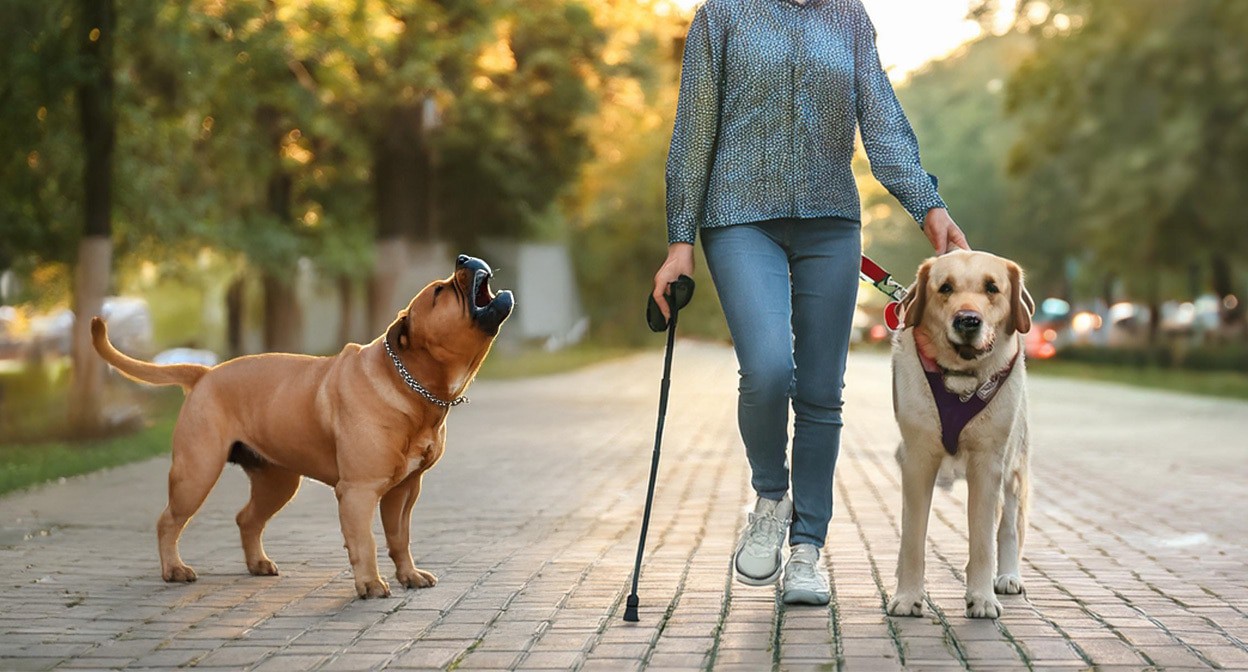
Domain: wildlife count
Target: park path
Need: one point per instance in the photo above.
(1135, 557)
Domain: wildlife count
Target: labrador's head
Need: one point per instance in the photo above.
(965, 300)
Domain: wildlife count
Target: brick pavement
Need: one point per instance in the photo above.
(1135, 557)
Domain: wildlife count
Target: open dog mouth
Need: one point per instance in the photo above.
(482, 297)
(488, 309)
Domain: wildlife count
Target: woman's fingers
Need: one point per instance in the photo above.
(659, 288)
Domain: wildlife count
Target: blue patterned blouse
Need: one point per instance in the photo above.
(770, 94)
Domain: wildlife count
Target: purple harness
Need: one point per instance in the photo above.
(956, 411)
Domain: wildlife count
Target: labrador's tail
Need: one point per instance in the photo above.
(185, 375)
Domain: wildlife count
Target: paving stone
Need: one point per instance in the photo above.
(532, 533)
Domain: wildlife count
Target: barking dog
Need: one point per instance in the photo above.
(368, 422)
(960, 399)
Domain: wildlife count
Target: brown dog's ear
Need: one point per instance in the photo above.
(397, 335)
(915, 303)
(1022, 306)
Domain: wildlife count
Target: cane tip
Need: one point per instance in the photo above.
(630, 610)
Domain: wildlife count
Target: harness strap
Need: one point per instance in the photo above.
(956, 412)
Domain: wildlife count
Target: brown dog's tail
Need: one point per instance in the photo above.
(185, 375)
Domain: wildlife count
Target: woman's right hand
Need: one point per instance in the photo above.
(679, 262)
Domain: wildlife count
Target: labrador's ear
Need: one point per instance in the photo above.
(915, 303)
(397, 335)
(1022, 306)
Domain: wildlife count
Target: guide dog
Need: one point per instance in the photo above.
(960, 399)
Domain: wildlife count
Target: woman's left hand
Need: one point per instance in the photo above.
(943, 232)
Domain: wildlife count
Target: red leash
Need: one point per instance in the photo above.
(883, 281)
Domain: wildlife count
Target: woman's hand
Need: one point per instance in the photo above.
(943, 232)
(679, 262)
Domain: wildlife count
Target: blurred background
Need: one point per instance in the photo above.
(221, 178)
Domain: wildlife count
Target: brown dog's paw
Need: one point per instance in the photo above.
(179, 574)
(264, 567)
(372, 588)
(416, 578)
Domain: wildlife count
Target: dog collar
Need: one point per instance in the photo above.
(417, 387)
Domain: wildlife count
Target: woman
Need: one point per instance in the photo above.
(771, 92)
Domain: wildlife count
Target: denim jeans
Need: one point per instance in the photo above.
(788, 288)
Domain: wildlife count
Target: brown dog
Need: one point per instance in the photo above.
(356, 421)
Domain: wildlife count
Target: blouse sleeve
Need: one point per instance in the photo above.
(693, 137)
(891, 145)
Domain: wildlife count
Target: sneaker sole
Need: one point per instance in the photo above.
(805, 597)
(751, 581)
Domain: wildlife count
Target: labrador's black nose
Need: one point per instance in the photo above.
(966, 321)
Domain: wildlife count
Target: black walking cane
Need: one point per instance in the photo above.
(678, 295)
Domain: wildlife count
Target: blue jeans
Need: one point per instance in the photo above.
(788, 288)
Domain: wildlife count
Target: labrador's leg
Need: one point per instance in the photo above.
(918, 476)
(1013, 526)
(396, 518)
(984, 476)
(271, 488)
(357, 500)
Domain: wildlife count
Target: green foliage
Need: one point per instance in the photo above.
(957, 110)
(1135, 135)
(516, 138)
(1230, 384)
(23, 465)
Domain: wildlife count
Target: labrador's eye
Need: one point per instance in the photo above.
(992, 288)
(438, 290)
(946, 288)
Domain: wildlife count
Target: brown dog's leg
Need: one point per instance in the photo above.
(271, 488)
(356, 503)
(199, 455)
(396, 518)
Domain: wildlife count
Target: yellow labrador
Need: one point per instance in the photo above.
(960, 398)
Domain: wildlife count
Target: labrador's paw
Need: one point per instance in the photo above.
(906, 604)
(375, 587)
(416, 578)
(1009, 584)
(179, 574)
(982, 606)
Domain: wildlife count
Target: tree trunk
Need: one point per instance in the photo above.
(235, 305)
(346, 310)
(90, 285)
(401, 174)
(283, 318)
(1224, 286)
(95, 99)
(390, 259)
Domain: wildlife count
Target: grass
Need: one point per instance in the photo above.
(1228, 384)
(26, 464)
(506, 366)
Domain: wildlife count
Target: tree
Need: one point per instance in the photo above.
(1139, 108)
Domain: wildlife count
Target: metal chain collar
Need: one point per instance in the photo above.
(417, 387)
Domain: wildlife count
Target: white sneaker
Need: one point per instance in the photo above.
(804, 580)
(758, 558)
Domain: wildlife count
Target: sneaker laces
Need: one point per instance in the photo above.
(765, 533)
(802, 568)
